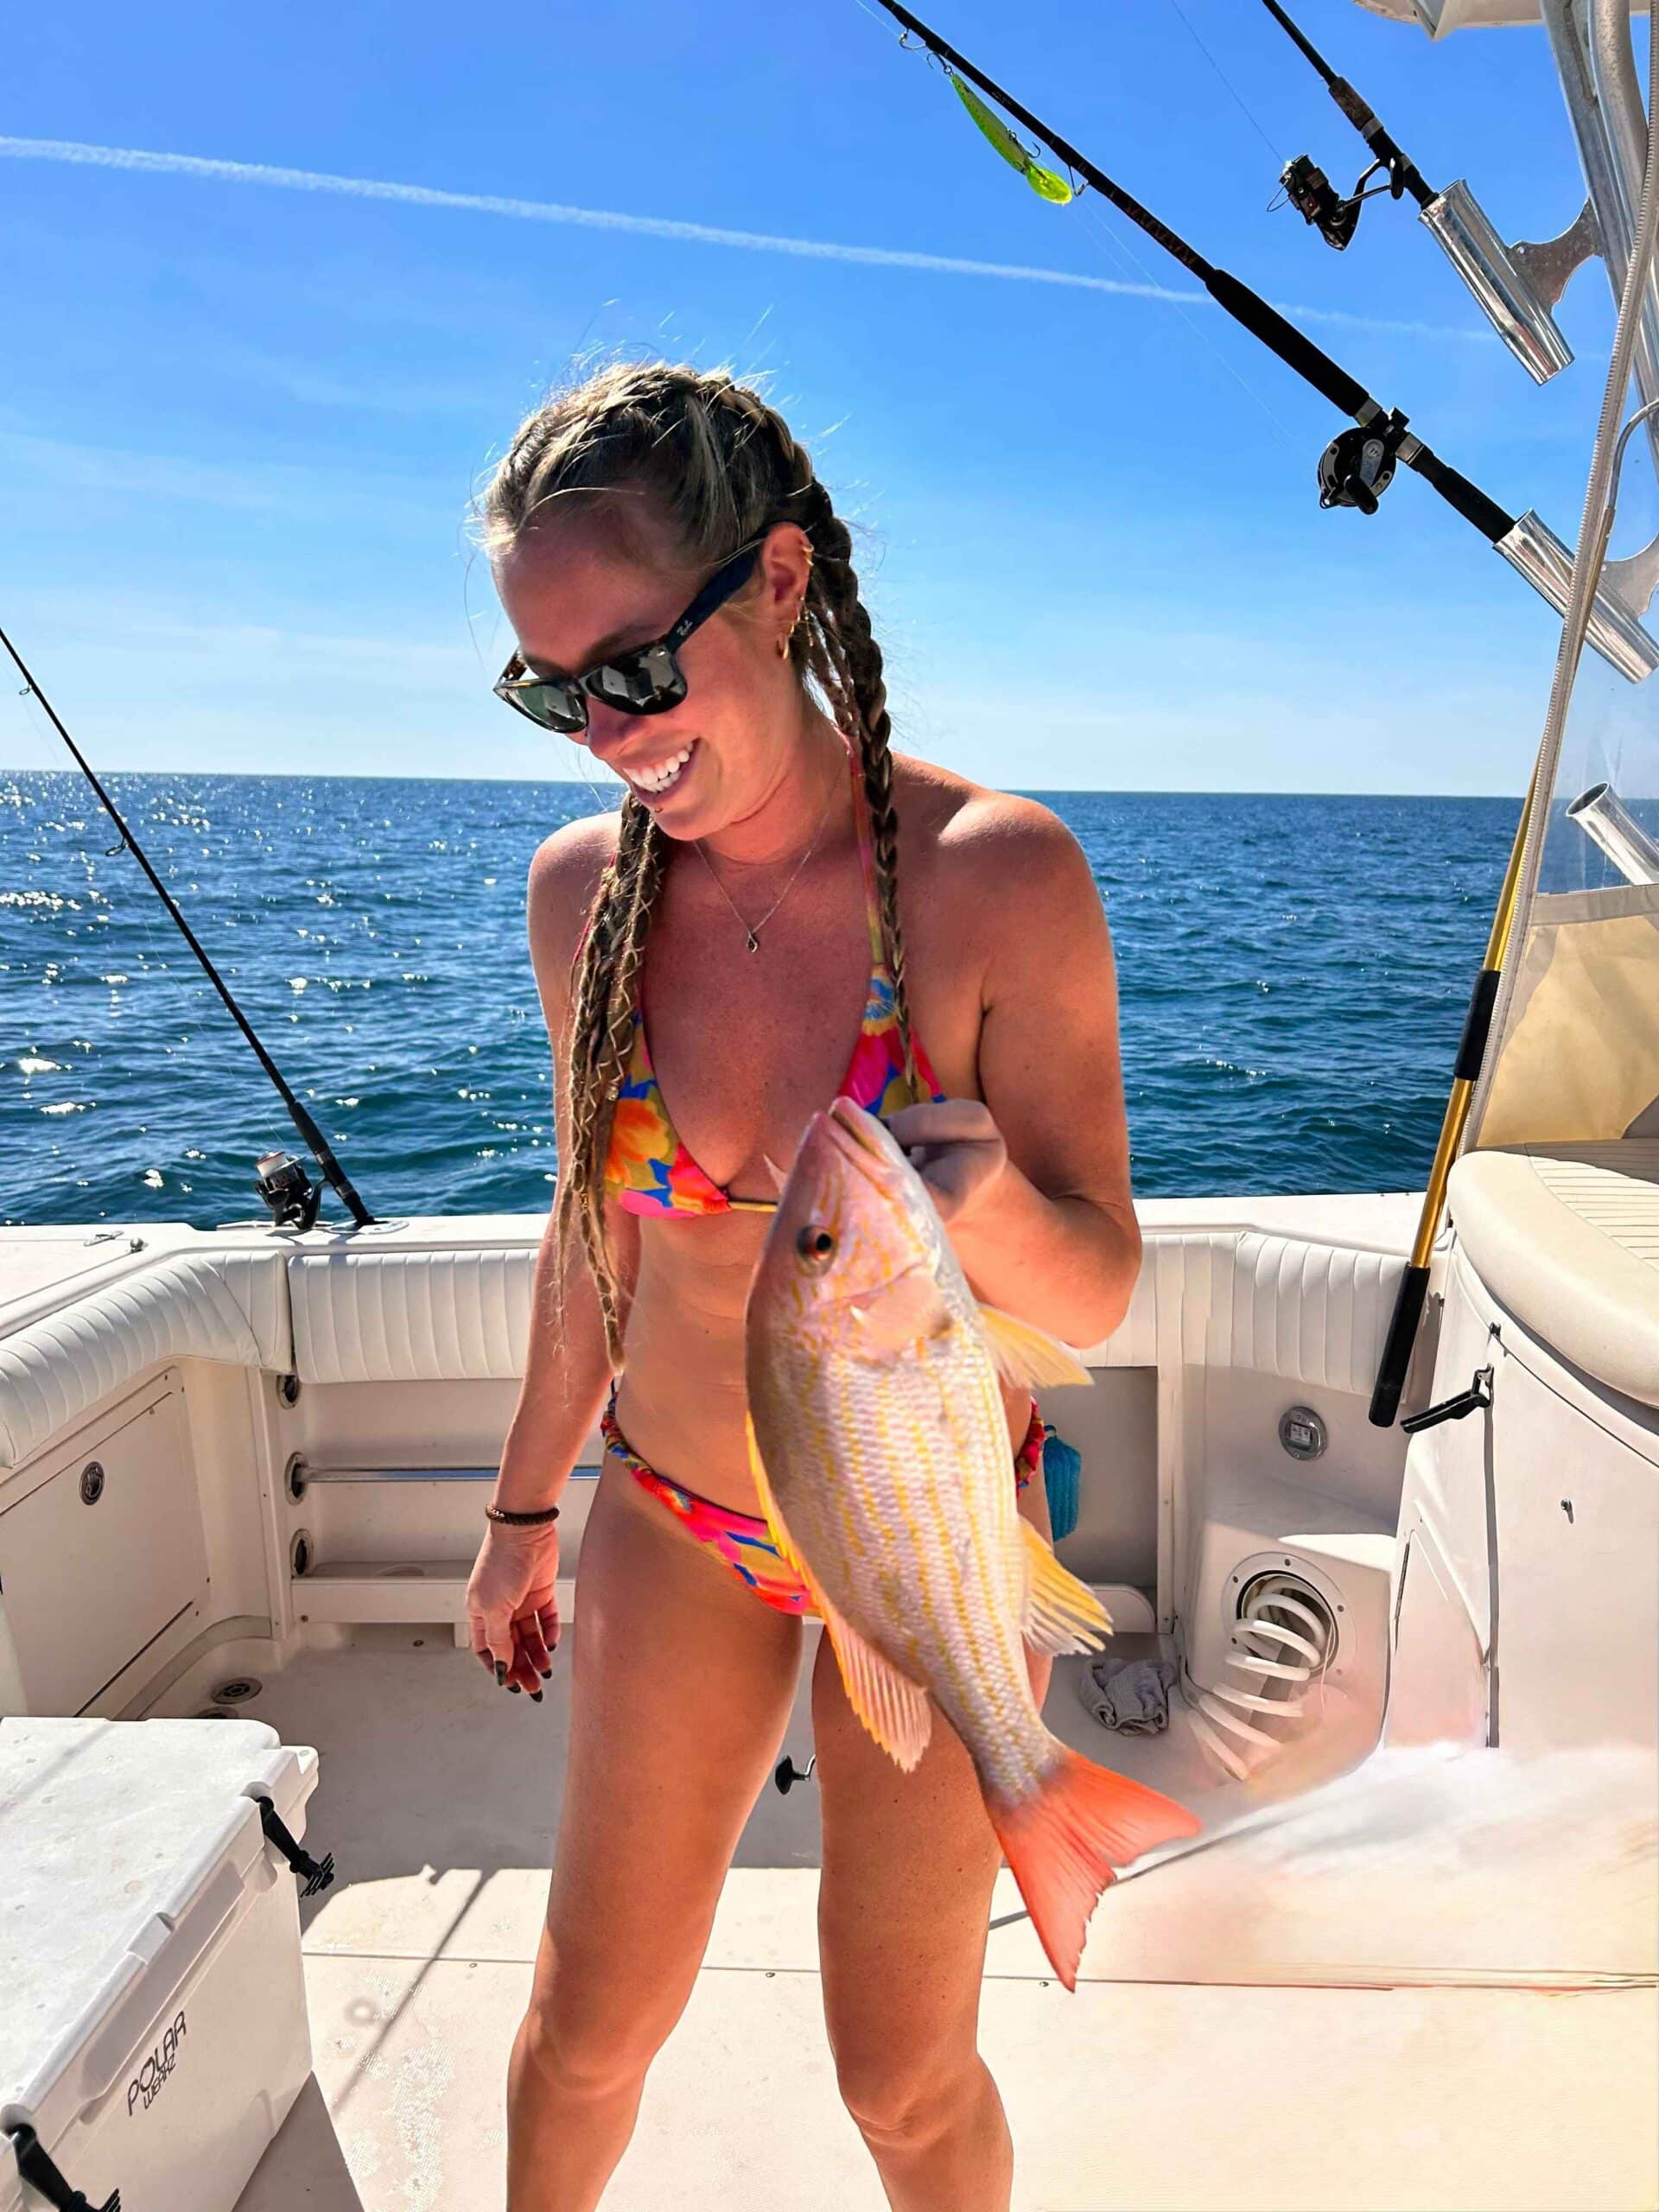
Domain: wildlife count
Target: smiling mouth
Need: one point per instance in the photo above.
(655, 782)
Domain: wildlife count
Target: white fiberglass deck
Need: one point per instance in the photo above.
(1436, 1992)
(438, 1795)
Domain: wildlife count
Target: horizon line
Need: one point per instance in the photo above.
(576, 784)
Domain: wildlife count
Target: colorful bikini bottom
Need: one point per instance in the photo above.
(743, 1540)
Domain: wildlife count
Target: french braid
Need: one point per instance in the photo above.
(709, 458)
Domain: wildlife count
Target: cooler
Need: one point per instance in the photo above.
(153, 2029)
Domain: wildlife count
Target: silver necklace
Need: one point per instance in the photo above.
(752, 929)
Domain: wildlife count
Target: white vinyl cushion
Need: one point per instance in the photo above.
(409, 1317)
(1567, 1236)
(228, 1305)
(444, 1311)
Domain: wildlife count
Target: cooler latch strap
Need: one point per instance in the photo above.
(317, 1874)
(43, 2177)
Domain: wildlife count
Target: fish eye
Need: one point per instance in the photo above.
(816, 1246)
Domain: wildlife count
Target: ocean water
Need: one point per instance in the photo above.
(1293, 975)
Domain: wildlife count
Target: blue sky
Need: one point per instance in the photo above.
(239, 424)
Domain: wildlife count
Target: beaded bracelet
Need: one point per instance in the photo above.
(512, 1520)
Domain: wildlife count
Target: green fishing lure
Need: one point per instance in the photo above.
(1039, 178)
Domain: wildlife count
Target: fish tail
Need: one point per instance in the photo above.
(1063, 1840)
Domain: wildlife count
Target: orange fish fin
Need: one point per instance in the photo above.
(1061, 1613)
(1064, 1843)
(1026, 1355)
(773, 1517)
(895, 1710)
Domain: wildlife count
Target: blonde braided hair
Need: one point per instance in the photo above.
(706, 455)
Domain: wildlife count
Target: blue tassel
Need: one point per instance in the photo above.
(1062, 1469)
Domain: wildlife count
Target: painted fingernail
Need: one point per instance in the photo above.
(547, 1674)
(500, 1673)
(536, 1696)
(513, 1687)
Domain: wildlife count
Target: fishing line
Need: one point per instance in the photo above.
(1516, 286)
(293, 1203)
(1237, 96)
(1307, 187)
(1358, 466)
(1107, 238)
(97, 898)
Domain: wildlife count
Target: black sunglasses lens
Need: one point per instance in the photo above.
(645, 682)
(552, 706)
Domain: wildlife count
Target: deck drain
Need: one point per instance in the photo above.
(216, 1712)
(238, 1690)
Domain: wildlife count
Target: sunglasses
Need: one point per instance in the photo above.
(644, 680)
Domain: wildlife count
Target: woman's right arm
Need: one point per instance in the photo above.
(511, 1605)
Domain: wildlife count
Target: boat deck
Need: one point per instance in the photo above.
(438, 1797)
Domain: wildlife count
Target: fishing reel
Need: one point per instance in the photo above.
(289, 1191)
(1358, 466)
(1317, 200)
(1322, 208)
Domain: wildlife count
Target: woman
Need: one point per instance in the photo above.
(685, 606)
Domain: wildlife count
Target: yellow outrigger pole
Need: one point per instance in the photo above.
(1594, 535)
(1471, 1051)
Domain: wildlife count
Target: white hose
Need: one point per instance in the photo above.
(1262, 1626)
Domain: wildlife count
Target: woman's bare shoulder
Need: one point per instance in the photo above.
(564, 873)
(565, 869)
(971, 840)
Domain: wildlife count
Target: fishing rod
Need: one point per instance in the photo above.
(1516, 287)
(1358, 466)
(1308, 188)
(1491, 1002)
(282, 1182)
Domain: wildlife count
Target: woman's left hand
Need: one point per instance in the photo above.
(956, 1148)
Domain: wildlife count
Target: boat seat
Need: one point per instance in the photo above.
(1567, 1236)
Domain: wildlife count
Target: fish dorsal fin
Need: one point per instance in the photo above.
(1061, 1613)
(894, 1709)
(1026, 1355)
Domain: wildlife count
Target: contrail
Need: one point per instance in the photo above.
(132, 158)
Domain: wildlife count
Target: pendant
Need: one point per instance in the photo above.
(755, 942)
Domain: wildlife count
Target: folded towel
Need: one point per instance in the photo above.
(1131, 1695)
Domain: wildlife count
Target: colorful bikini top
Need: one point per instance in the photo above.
(649, 1171)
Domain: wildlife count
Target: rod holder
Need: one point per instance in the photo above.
(1607, 823)
(1533, 550)
(1516, 287)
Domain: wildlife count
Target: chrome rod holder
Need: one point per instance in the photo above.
(1535, 551)
(1516, 287)
(1605, 820)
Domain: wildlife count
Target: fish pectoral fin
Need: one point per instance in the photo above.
(1026, 1355)
(1061, 1613)
(896, 1313)
(895, 1710)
